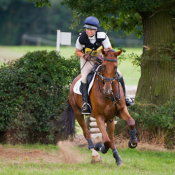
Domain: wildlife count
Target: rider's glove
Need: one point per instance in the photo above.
(99, 58)
(87, 57)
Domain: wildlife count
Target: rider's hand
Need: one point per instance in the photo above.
(87, 57)
(98, 58)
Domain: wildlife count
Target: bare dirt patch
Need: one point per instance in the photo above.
(18, 156)
(68, 152)
(121, 142)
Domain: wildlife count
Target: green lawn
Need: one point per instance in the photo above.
(130, 73)
(66, 51)
(135, 162)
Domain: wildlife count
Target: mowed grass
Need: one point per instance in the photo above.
(130, 72)
(135, 162)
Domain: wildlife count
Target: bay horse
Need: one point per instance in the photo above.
(107, 100)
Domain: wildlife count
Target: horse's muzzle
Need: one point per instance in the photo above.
(106, 92)
(107, 89)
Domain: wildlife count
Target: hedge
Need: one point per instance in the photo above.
(33, 88)
(154, 124)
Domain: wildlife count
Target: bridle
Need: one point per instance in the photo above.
(111, 60)
(116, 77)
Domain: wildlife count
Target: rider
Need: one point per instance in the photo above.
(88, 45)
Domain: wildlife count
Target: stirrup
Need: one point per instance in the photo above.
(86, 111)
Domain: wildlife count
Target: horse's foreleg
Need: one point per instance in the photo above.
(131, 124)
(86, 132)
(107, 143)
(111, 128)
(95, 155)
(132, 130)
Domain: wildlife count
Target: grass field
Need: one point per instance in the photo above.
(130, 73)
(51, 160)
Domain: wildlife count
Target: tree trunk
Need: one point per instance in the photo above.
(157, 82)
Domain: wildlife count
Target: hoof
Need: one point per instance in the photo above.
(96, 159)
(120, 164)
(95, 156)
(98, 146)
(131, 145)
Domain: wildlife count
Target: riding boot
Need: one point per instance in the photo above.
(86, 108)
(129, 101)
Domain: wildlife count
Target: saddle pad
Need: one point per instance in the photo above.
(77, 85)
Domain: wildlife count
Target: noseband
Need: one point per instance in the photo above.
(115, 77)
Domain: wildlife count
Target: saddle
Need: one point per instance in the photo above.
(89, 80)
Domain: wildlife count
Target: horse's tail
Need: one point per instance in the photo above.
(69, 121)
(66, 123)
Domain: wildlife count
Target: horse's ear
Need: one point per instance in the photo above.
(103, 51)
(118, 53)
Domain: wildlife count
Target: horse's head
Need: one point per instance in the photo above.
(109, 69)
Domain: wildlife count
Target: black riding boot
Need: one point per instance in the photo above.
(86, 108)
(129, 101)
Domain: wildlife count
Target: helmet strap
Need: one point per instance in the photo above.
(91, 37)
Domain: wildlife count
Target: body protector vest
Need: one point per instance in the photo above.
(95, 48)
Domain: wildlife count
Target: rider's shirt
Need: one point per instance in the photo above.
(93, 44)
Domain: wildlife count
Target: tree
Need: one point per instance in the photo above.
(18, 17)
(40, 3)
(156, 19)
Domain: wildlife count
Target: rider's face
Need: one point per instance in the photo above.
(90, 32)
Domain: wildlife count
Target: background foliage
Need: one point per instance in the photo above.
(154, 124)
(120, 15)
(32, 89)
(19, 17)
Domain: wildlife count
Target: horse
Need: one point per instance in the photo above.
(107, 101)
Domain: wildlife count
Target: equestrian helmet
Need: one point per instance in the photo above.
(91, 22)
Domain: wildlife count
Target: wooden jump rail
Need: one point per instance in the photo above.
(93, 128)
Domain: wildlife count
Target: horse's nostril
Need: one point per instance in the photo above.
(104, 91)
(107, 93)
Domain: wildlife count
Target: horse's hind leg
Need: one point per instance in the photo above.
(111, 128)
